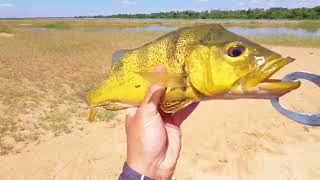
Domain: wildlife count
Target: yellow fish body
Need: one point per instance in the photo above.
(201, 62)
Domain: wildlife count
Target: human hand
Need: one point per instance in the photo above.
(154, 137)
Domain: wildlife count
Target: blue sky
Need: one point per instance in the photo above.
(58, 8)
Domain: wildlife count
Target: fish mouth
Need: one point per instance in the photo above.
(258, 84)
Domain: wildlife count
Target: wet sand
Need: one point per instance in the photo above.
(224, 139)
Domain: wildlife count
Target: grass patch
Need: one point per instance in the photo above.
(58, 25)
(105, 115)
(58, 123)
(4, 149)
(6, 29)
(309, 24)
(7, 127)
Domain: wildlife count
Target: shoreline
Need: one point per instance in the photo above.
(119, 22)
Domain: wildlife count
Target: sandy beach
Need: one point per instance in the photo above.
(224, 139)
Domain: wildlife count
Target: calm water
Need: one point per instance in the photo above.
(201, 20)
(258, 31)
(276, 31)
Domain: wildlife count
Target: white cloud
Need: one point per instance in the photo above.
(6, 5)
(127, 2)
(306, 3)
(261, 3)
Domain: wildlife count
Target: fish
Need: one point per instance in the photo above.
(203, 62)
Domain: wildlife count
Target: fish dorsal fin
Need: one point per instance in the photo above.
(165, 79)
(117, 55)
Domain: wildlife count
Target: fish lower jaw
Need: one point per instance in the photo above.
(259, 83)
(277, 87)
(267, 89)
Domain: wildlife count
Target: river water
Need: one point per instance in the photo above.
(255, 31)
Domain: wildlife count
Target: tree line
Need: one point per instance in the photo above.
(272, 13)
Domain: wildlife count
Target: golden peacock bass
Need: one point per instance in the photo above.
(202, 62)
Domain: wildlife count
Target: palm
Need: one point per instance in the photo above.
(159, 134)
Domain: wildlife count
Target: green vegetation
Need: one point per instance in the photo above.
(5, 29)
(58, 25)
(104, 115)
(273, 13)
(7, 127)
(58, 123)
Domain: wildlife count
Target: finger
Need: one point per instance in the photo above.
(155, 92)
(130, 114)
(181, 115)
(174, 136)
(151, 105)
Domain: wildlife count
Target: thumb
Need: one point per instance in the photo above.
(153, 97)
(155, 92)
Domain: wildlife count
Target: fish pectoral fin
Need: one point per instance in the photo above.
(109, 105)
(174, 106)
(115, 106)
(165, 79)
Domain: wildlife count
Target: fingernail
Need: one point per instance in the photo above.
(160, 69)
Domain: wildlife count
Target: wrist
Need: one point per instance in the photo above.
(147, 169)
(152, 169)
(129, 173)
(164, 174)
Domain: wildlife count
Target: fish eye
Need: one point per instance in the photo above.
(236, 50)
